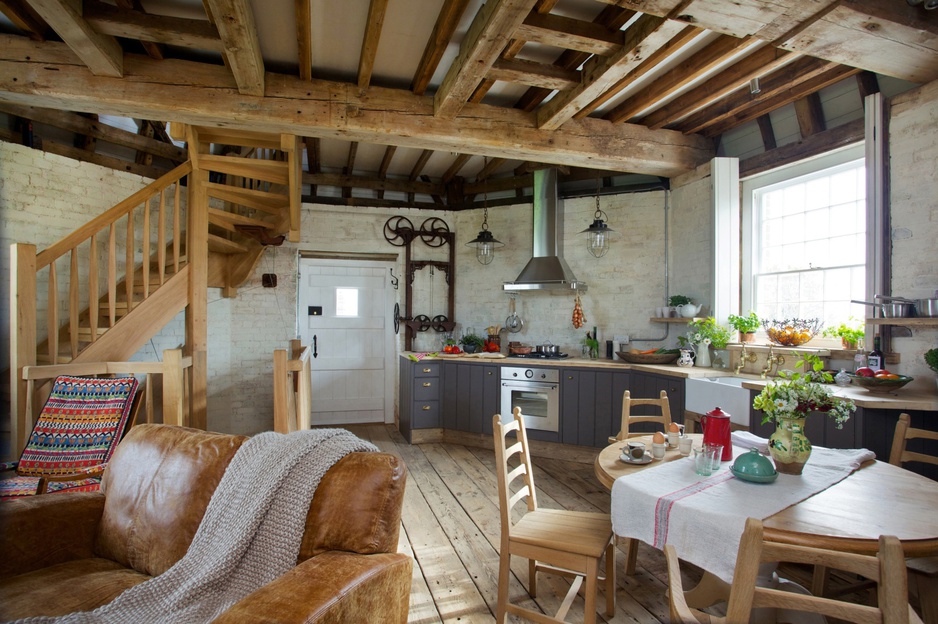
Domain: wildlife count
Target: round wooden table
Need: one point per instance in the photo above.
(878, 499)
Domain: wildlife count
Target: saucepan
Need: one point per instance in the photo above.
(547, 348)
(889, 310)
(927, 308)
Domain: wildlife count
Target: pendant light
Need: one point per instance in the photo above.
(485, 243)
(597, 234)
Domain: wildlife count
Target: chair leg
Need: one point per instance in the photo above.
(611, 579)
(926, 588)
(632, 557)
(592, 574)
(532, 577)
(504, 569)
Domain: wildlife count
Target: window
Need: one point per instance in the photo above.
(346, 302)
(805, 253)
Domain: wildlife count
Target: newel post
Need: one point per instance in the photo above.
(173, 409)
(22, 338)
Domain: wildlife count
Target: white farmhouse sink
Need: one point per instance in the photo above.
(703, 394)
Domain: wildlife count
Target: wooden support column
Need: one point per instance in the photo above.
(281, 389)
(197, 310)
(173, 406)
(22, 338)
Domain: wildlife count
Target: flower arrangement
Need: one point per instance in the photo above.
(705, 331)
(850, 335)
(798, 395)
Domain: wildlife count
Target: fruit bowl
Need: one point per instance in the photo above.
(880, 384)
(791, 332)
(647, 358)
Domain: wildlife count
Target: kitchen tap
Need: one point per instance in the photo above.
(745, 356)
(771, 360)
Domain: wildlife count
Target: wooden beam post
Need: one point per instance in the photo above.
(197, 310)
(281, 388)
(22, 338)
(173, 388)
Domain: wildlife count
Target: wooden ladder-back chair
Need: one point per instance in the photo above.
(568, 543)
(886, 569)
(664, 418)
(923, 571)
(74, 437)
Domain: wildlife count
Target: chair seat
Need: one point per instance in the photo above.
(577, 532)
(15, 486)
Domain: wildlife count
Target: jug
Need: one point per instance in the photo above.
(688, 310)
(716, 430)
(686, 360)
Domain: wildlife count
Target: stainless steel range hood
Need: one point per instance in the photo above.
(547, 270)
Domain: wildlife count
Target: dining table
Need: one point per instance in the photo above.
(877, 498)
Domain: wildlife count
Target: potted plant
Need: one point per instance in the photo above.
(931, 358)
(850, 336)
(704, 333)
(745, 325)
(471, 343)
(683, 306)
(787, 402)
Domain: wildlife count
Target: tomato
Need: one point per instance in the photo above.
(882, 373)
(864, 371)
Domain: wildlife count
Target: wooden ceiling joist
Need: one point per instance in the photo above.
(235, 22)
(25, 18)
(570, 34)
(177, 31)
(488, 35)
(534, 74)
(372, 184)
(453, 170)
(373, 26)
(304, 38)
(385, 164)
(809, 115)
(847, 134)
(155, 50)
(443, 30)
(349, 169)
(601, 73)
(101, 53)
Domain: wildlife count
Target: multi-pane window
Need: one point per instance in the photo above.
(808, 244)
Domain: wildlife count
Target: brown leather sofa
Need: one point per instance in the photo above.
(61, 553)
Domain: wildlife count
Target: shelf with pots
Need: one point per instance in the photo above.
(905, 322)
(674, 319)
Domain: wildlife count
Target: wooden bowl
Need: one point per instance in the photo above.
(650, 358)
(878, 384)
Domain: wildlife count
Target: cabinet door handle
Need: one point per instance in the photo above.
(427, 370)
(426, 384)
(425, 408)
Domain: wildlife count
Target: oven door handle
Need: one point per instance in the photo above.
(529, 385)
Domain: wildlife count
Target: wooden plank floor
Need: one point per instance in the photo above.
(451, 528)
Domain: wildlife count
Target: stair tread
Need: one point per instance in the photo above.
(223, 245)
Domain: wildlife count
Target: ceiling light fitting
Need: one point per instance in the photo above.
(597, 234)
(485, 243)
(754, 87)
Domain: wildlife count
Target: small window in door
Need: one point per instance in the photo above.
(346, 302)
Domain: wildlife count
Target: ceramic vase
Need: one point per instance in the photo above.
(703, 355)
(788, 445)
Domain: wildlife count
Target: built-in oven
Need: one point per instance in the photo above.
(536, 391)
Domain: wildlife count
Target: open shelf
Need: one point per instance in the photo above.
(673, 319)
(903, 322)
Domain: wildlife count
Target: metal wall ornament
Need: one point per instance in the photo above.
(485, 243)
(597, 234)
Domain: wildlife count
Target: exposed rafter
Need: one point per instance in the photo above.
(101, 53)
(304, 38)
(235, 22)
(373, 26)
(177, 31)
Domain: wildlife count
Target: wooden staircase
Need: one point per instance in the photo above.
(103, 291)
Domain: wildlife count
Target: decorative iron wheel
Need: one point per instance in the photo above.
(438, 321)
(424, 321)
(432, 232)
(397, 318)
(398, 231)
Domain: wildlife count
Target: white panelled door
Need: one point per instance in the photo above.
(345, 309)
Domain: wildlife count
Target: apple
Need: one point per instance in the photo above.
(864, 371)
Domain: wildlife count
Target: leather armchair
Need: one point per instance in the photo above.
(74, 552)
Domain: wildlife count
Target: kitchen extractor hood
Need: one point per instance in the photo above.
(547, 270)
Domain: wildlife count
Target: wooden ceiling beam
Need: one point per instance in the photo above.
(612, 18)
(155, 50)
(455, 166)
(809, 115)
(700, 64)
(657, 57)
(534, 74)
(846, 134)
(385, 164)
(235, 22)
(570, 34)
(759, 63)
(304, 39)
(373, 27)
(602, 73)
(202, 94)
(25, 18)
(488, 35)
(767, 132)
(101, 53)
(446, 24)
(420, 164)
(177, 31)
(369, 202)
(349, 169)
(489, 168)
(372, 184)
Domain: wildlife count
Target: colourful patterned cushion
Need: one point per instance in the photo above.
(17, 486)
(79, 427)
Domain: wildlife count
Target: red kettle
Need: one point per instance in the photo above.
(716, 430)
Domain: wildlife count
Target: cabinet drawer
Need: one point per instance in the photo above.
(426, 369)
(426, 414)
(427, 388)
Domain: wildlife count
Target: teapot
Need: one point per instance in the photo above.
(688, 310)
(716, 430)
(687, 359)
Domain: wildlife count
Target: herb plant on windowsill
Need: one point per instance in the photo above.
(747, 325)
(849, 336)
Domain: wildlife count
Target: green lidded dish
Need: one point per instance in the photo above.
(754, 467)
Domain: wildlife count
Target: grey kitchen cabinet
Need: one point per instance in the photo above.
(878, 426)
(649, 386)
(470, 397)
(420, 392)
(590, 405)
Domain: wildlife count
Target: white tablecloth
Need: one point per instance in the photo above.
(703, 517)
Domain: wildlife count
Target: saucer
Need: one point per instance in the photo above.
(754, 478)
(637, 462)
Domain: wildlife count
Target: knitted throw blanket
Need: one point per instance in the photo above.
(250, 535)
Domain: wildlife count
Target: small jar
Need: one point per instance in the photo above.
(842, 378)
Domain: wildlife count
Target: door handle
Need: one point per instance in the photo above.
(315, 347)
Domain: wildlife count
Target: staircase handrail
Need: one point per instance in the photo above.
(65, 245)
(292, 388)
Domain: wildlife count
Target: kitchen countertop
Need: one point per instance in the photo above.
(904, 399)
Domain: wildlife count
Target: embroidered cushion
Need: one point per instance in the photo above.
(79, 426)
(16, 486)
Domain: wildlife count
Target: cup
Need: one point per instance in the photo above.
(658, 449)
(713, 453)
(702, 464)
(637, 450)
(684, 445)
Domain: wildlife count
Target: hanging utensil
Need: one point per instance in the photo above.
(513, 323)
